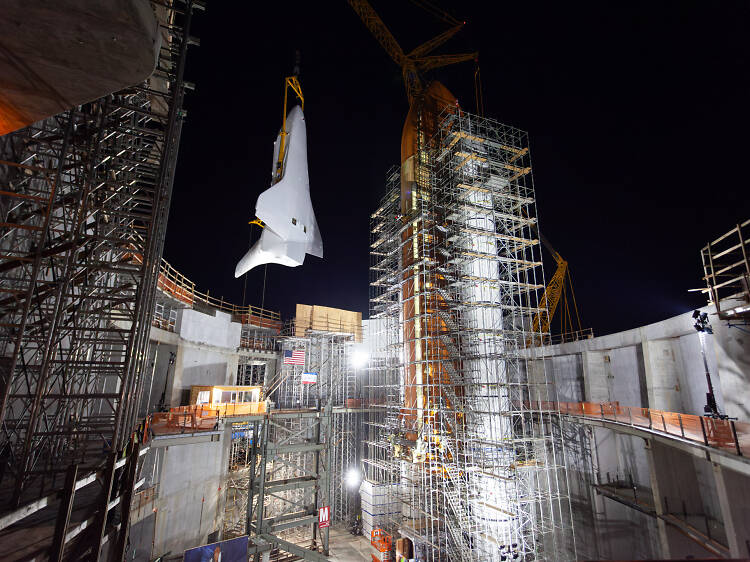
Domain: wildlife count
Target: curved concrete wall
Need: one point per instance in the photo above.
(56, 55)
(656, 366)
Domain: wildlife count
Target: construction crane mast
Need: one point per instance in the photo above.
(454, 259)
(418, 61)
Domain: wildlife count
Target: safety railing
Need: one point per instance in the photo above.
(567, 337)
(258, 342)
(179, 287)
(300, 327)
(176, 284)
(204, 417)
(182, 289)
(729, 435)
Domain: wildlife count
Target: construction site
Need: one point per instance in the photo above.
(465, 415)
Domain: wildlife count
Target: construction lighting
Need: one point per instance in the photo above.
(359, 358)
(711, 409)
(352, 478)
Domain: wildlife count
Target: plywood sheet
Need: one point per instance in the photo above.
(327, 319)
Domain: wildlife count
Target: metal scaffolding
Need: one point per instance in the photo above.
(726, 270)
(460, 441)
(295, 458)
(84, 201)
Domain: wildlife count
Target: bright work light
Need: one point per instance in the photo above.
(352, 478)
(359, 358)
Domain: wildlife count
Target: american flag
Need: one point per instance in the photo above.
(296, 357)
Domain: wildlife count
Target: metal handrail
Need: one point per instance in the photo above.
(728, 435)
(177, 285)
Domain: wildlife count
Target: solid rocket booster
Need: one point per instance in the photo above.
(285, 208)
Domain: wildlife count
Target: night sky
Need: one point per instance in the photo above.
(637, 114)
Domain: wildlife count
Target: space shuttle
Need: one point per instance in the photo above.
(290, 229)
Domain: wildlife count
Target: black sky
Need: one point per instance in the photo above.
(636, 111)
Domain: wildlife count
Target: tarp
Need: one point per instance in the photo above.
(233, 550)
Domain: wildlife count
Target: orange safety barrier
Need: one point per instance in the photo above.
(382, 542)
(204, 417)
(177, 291)
(179, 287)
(728, 435)
(259, 317)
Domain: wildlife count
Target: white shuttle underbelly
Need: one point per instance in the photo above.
(285, 208)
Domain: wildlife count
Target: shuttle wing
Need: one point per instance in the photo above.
(285, 208)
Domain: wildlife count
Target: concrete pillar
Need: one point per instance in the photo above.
(733, 493)
(676, 490)
(233, 363)
(538, 388)
(731, 345)
(661, 526)
(595, 384)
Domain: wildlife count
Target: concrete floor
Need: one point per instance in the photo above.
(345, 547)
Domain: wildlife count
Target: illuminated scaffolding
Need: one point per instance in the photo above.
(238, 478)
(304, 446)
(460, 441)
(85, 199)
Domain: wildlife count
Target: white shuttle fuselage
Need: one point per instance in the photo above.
(285, 208)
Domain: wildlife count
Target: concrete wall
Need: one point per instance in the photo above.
(658, 366)
(215, 330)
(190, 498)
(206, 352)
(189, 477)
(732, 355)
(161, 373)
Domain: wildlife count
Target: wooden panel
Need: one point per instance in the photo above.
(327, 319)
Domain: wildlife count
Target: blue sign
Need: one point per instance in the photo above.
(233, 550)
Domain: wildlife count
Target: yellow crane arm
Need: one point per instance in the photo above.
(436, 61)
(436, 11)
(415, 62)
(376, 26)
(435, 42)
(550, 298)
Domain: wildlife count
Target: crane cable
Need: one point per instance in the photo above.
(478, 94)
(265, 271)
(439, 13)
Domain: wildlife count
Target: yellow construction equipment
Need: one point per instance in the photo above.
(417, 61)
(293, 83)
(557, 289)
(426, 102)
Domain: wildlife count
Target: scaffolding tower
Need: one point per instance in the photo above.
(299, 453)
(460, 441)
(84, 197)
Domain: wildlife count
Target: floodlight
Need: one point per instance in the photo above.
(359, 358)
(352, 478)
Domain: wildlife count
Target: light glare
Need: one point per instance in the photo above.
(360, 357)
(352, 478)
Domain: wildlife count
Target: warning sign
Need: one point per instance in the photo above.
(324, 517)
